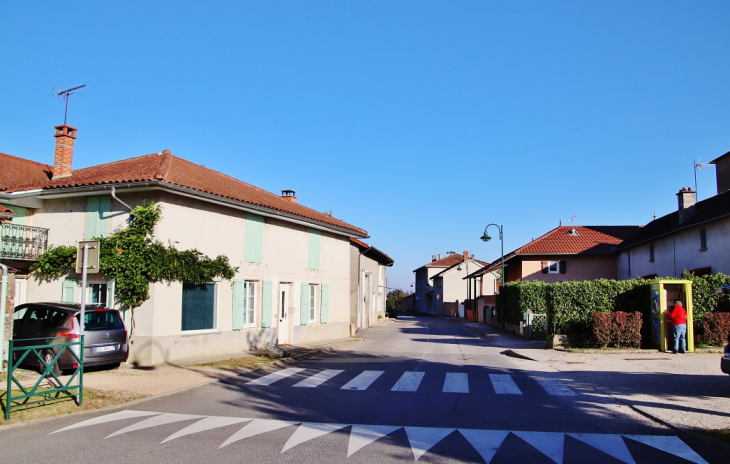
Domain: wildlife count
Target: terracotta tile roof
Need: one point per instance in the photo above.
(378, 255)
(586, 240)
(161, 167)
(711, 209)
(481, 263)
(448, 261)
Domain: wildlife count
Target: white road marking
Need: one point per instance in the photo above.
(554, 387)
(362, 381)
(504, 385)
(456, 382)
(421, 439)
(275, 376)
(408, 382)
(319, 378)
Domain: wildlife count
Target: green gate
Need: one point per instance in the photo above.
(18, 355)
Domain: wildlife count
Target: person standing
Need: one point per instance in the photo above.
(678, 316)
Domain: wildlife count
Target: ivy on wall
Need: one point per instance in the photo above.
(134, 259)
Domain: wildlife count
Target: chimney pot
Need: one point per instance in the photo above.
(289, 195)
(64, 154)
(686, 199)
(433, 258)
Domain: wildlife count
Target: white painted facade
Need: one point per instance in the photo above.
(673, 254)
(214, 229)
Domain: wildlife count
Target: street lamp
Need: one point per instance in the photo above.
(486, 238)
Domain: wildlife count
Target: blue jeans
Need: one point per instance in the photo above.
(680, 333)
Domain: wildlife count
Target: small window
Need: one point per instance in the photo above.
(703, 239)
(553, 267)
(249, 302)
(96, 294)
(312, 302)
(198, 306)
(651, 253)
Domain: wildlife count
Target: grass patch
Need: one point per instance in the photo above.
(93, 399)
(247, 362)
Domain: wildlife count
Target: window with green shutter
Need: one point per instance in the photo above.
(98, 217)
(238, 304)
(266, 298)
(324, 311)
(315, 240)
(304, 305)
(253, 246)
(68, 291)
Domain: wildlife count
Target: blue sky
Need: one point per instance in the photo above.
(419, 121)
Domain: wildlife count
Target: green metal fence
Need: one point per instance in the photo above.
(32, 352)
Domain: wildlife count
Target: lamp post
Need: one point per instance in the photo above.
(486, 238)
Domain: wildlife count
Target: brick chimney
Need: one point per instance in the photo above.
(687, 199)
(63, 158)
(289, 195)
(466, 255)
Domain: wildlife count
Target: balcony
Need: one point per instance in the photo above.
(18, 242)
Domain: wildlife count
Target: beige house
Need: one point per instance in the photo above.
(451, 289)
(368, 283)
(294, 264)
(425, 294)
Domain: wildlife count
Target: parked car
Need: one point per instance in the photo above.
(105, 337)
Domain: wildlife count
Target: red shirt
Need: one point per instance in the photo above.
(678, 316)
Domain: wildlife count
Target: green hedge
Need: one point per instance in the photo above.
(569, 305)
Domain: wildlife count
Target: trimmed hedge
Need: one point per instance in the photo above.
(523, 295)
(617, 329)
(717, 326)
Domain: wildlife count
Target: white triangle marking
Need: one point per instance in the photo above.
(128, 414)
(309, 431)
(486, 442)
(209, 423)
(363, 435)
(551, 444)
(613, 445)
(670, 444)
(257, 427)
(422, 439)
(168, 418)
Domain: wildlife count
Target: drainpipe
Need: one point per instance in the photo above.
(3, 297)
(114, 195)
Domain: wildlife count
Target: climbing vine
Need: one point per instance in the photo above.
(134, 259)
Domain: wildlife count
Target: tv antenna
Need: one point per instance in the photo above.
(65, 94)
(698, 168)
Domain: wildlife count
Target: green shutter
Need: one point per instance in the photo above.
(68, 293)
(266, 310)
(238, 303)
(92, 217)
(304, 306)
(20, 214)
(253, 246)
(103, 225)
(315, 238)
(325, 310)
(110, 303)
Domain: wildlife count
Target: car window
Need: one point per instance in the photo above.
(46, 318)
(19, 313)
(102, 320)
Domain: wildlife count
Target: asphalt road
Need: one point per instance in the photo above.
(423, 389)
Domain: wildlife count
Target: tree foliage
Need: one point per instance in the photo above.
(134, 259)
(391, 297)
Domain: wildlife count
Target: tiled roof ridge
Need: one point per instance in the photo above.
(165, 165)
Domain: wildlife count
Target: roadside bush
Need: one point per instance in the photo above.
(520, 296)
(717, 326)
(704, 298)
(617, 329)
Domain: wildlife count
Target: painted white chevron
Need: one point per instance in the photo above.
(421, 439)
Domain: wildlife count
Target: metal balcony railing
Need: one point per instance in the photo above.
(22, 242)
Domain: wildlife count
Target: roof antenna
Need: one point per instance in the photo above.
(64, 94)
(698, 168)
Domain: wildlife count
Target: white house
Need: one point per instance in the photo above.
(368, 283)
(294, 264)
(694, 238)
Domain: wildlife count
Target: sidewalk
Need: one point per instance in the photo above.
(685, 391)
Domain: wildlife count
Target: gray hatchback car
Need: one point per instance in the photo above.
(105, 337)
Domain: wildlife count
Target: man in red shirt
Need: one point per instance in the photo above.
(678, 316)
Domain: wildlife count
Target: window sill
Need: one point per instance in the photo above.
(200, 332)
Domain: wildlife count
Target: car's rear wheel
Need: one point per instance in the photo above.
(48, 356)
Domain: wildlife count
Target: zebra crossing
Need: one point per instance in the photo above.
(411, 381)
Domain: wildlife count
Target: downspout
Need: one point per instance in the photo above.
(3, 297)
(114, 195)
